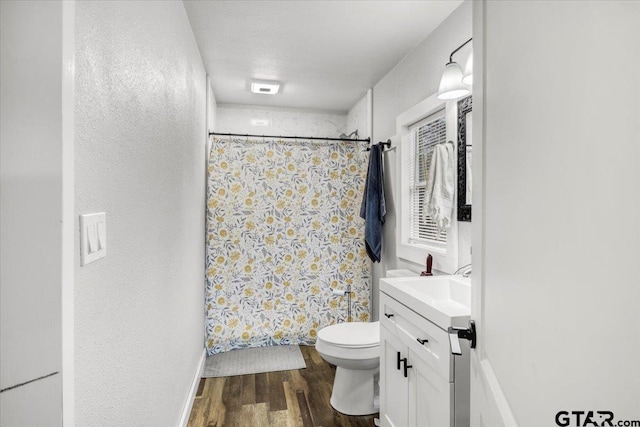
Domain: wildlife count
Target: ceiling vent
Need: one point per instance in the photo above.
(265, 87)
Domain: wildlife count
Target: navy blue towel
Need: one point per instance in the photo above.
(373, 209)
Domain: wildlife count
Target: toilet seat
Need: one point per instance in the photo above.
(352, 335)
(350, 341)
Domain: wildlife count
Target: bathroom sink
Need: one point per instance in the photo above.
(444, 300)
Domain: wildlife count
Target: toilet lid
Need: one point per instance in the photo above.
(355, 334)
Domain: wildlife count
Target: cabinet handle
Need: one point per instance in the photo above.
(389, 316)
(406, 366)
(423, 342)
(399, 361)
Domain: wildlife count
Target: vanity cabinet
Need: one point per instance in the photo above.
(421, 383)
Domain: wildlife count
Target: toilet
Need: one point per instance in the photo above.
(354, 348)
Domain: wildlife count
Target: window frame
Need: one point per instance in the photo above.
(445, 256)
(416, 186)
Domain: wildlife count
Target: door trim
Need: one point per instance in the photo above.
(68, 214)
(488, 401)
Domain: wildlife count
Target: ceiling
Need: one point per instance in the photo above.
(326, 54)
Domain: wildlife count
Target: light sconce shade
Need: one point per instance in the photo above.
(468, 71)
(451, 86)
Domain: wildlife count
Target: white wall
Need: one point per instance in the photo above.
(212, 119)
(212, 106)
(31, 152)
(140, 147)
(359, 117)
(561, 215)
(295, 122)
(414, 79)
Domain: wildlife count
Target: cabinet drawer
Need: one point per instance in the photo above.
(410, 327)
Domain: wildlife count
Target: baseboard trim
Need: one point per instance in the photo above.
(186, 412)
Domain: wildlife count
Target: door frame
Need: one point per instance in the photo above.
(68, 212)
(488, 401)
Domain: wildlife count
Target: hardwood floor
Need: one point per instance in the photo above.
(274, 399)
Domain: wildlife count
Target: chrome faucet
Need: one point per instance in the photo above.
(466, 273)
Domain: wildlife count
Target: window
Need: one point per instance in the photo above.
(426, 134)
(419, 129)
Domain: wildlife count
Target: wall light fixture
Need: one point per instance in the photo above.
(451, 83)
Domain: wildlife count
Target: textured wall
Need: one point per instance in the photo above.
(414, 79)
(358, 118)
(237, 119)
(417, 76)
(140, 155)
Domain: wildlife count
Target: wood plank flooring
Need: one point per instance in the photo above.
(298, 398)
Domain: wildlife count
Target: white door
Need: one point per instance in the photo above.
(556, 213)
(36, 118)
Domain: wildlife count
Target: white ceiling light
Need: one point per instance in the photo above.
(265, 87)
(451, 84)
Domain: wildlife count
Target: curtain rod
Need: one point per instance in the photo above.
(384, 144)
(289, 137)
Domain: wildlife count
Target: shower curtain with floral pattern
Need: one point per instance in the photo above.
(282, 230)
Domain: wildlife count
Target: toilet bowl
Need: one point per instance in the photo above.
(354, 348)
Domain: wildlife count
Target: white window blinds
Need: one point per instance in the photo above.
(423, 138)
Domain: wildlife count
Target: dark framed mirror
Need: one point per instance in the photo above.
(465, 151)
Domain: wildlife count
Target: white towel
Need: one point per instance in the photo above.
(440, 187)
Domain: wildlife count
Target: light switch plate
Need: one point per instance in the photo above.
(93, 237)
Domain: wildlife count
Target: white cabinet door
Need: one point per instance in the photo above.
(393, 385)
(430, 396)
